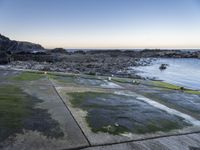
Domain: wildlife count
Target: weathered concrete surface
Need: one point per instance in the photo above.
(56, 115)
(101, 138)
(182, 142)
(177, 99)
(31, 138)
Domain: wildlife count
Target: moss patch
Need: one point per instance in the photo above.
(122, 80)
(111, 129)
(193, 92)
(18, 112)
(174, 87)
(64, 78)
(76, 99)
(117, 114)
(163, 125)
(166, 85)
(28, 76)
(12, 109)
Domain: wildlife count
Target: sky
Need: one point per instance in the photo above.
(103, 23)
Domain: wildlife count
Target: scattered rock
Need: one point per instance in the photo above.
(163, 66)
(26, 55)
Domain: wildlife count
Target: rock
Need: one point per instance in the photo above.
(94, 62)
(4, 58)
(59, 50)
(15, 46)
(163, 66)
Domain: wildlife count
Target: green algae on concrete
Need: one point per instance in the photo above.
(174, 87)
(193, 92)
(62, 78)
(122, 80)
(183, 102)
(162, 125)
(28, 76)
(18, 113)
(166, 85)
(78, 80)
(118, 114)
(12, 109)
(78, 98)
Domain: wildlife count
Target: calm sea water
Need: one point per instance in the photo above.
(181, 71)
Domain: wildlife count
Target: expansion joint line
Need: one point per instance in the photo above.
(141, 140)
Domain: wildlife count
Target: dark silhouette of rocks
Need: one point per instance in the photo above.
(16, 46)
(59, 50)
(4, 57)
(27, 55)
(9, 49)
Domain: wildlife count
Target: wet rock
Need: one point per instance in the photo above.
(163, 66)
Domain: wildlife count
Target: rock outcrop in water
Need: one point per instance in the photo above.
(163, 66)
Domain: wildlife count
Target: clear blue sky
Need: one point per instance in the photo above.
(103, 23)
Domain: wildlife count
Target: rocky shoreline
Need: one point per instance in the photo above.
(26, 55)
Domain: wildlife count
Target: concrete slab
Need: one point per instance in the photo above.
(45, 123)
(181, 142)
(105, 138)
(185, 102)
(38, 114)
(81, 80)
(101, 138)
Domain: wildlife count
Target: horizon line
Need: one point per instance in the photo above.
(128, 48)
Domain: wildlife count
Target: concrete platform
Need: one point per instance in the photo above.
(38, 112)
(178, 142)
(51, 116)
(105, 138)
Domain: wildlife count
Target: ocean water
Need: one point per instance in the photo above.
(181, 71)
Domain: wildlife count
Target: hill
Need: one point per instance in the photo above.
(13, 46)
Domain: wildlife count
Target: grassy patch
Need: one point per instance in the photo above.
(12, 107)
(111, 129)
(162, 125)
(105, 110)
(77, 98)
(18, 112)
(193, 92)
(126, 80)
(166, 85)
(62, 78)
(174, 87)
(122, 80)
(12, 110)
(28, 76)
